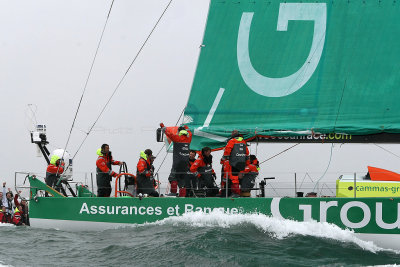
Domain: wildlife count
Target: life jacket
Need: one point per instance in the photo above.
(237, 158)
(181, 150)
(248, 180)
(205, 170)
(142, 172)
(145, 180)
(180, 156)
(103, 167)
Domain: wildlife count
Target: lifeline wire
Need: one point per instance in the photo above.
(280, 153)
(334, 127)
(387, 150)
(123, 77)
(87, 80)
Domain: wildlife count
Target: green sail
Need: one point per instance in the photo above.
(275, 68)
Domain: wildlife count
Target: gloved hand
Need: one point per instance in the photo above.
(114, 174)
(162, 125)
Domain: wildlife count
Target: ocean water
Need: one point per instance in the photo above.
(195, 240)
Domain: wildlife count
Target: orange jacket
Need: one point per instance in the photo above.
(231, 143)
(172, 133)
(102, 163)
(144, 167)
(198, 163)
(53, 169)
(250, 168)
(228, 172)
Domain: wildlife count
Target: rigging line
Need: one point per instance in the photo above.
(340, 104)
(326, 169)
(345, 81)
(87, 80)
(257, 146)
(334, 127)
(91, 67)
(280, 153)
(175, 125)
(33, 112)
(387, 150)
(305, 176)
(123, 77)
(31, 117)
(160, 150)
(162, 162)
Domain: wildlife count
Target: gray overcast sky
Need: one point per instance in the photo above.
(46, 48)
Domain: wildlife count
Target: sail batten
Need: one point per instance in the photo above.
(269, 68)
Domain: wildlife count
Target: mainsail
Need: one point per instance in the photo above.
(271, 68)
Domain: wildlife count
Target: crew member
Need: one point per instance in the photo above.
(8, 203)
(24, 210)
(202, 168)
(191, 181)
(6, 214)
(144, 174)
(53, 172)
(17, 218)
(104, 172)
(234, 160)
(181, 139)
(247, 177)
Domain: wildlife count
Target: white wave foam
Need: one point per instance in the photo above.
(3, 265)
(277, 227)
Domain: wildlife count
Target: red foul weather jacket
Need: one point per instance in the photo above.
(53, 169)
(180, 155)
(104, 164)
(198, 165)
(144, 167)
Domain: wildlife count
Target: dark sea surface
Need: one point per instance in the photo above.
(194, 240)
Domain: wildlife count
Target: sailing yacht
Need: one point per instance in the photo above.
(319, 72)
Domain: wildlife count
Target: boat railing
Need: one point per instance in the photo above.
(118, 185)
(285, 184)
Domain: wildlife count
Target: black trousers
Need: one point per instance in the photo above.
(179, 176)
(103, 185)
(146, 186)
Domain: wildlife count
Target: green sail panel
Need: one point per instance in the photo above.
(295, 68)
